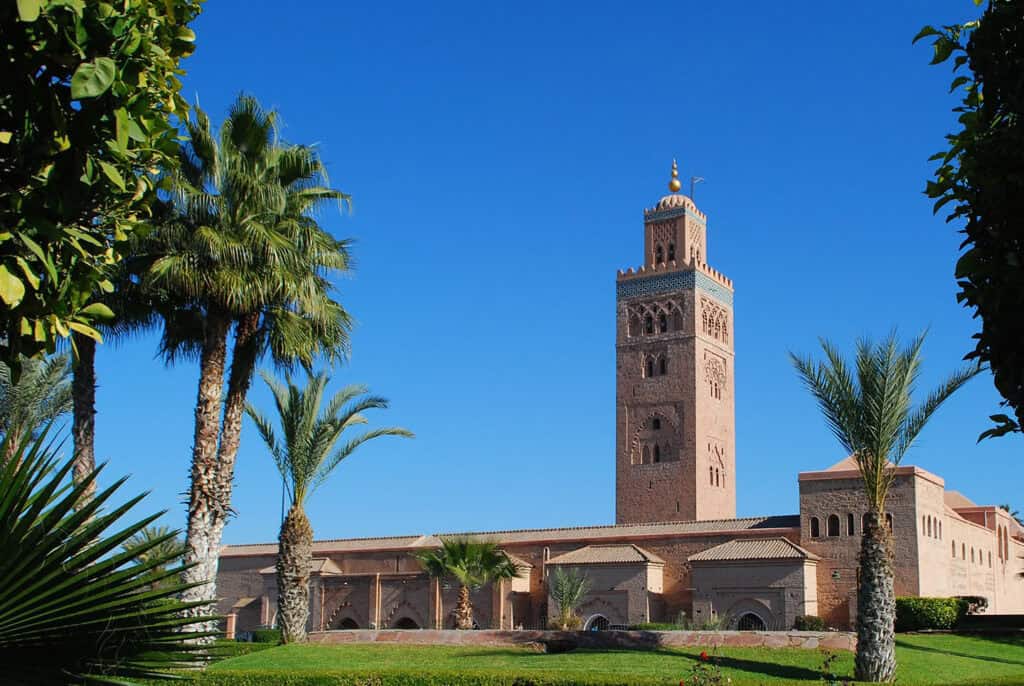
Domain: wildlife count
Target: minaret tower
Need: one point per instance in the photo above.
(674, 415)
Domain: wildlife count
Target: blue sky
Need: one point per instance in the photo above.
(499, 156)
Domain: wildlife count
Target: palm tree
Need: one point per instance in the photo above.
(868, 406)
(241, 253)
(568, 590)
(473, 563)
(1012, 512)
(305, 455)
(40, 395)
(155, 544)
(72, 609)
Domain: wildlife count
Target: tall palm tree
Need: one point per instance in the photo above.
(242, 253)
(869, 408)
(41, 394)
(305, 454)
(473, 563)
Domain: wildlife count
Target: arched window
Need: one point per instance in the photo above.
(717, 482)
(972, 553)
(929, 526)
(645, 455)
(671, 252)
(662, 323)
(663, 365)
(924, 525)
(990, 559)
(1006, 545)
(656, 423)
(953, 543)
(711, 475)
(864, 522)
(963, 551)
(658, 255)
(657, 453)
(815, 528)
(888, 521)
(849, 524)
(648, 324)
(649, 367)
(833, 525)
(940, 529)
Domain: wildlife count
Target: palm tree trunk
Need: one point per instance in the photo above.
(876, 605)
(295, 554)
(83, 394)
(464, 610)
(202, 541)
(243, 364)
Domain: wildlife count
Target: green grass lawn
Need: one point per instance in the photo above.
(923, 659)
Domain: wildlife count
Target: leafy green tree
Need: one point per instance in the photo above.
(158, 544)
(568, 589)
(241, 254)
(473, 563)
(868, 406)
(981, 174)
(73, 609)
(306, 456)
(86, 95)
(41, 394)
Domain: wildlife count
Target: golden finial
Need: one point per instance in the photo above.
(674, 185)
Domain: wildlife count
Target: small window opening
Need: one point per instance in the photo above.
(833, 525)
(888, 521)
(663, 366)
(656, 423)
(662, 323)
(648, 324)
(657, 453)
(671, 252)
(658, 255)
(650, 367)
(849, 524)
(815, 528)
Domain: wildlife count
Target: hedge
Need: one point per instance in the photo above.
(257, 677)
(809, 623)
(918, 614)
(655, 626)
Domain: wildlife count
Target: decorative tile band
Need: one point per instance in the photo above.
(673, 281)
(671, 214)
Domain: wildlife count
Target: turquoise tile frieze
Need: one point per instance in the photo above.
(671, 214)
(673, 281)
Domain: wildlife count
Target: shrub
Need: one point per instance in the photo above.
(917, 614)
(655, 626)
(809, 623)
(266, 636)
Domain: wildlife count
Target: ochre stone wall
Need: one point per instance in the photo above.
(773, 590)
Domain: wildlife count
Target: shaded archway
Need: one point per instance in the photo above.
(406, 623)
(348, 624)
(750, 621)
(596, 623)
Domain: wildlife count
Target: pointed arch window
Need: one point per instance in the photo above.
(659, 255)
(815, 528)
(662, 323)
(833, 525)
(648, 324)
(657, 453)
(663, 366)
(649, 367)
(849, 524)
(671, 252)
(711, 475)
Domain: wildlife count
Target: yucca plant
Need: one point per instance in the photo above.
(568, 590)
(73, 608)
(869, 407)
(473, 563)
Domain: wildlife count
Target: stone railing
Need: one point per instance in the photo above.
(558, 641)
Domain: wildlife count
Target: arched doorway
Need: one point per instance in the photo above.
(406, 623)
(596, 623)
(749, 621)
(348, 624)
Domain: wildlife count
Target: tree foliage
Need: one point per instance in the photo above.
(568, 589)
(981, 175)
(74, 609)
(86, 94)
(40, 395)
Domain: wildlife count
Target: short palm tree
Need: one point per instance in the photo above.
(40, 394)
(473, 563)
(74, 609)
(568, 590)
(869, 408)
(157, 544)
(306, 456)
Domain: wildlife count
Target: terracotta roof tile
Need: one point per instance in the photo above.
(607, 554)
(510, 537)
(754, 549)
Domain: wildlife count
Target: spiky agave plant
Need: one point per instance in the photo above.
(75, 609)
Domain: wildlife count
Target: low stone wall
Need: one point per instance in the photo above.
(634, 640)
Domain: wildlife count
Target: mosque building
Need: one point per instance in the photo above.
(676, 546)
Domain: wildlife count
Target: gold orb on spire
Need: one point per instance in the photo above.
(674, 185)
